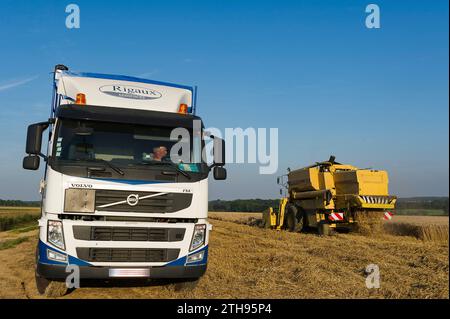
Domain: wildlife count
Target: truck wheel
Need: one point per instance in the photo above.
(49, 288)
(187, 285)
(294, 222)
(324, 229)
(41, 283)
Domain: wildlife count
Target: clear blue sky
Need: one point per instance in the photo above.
(374, 98)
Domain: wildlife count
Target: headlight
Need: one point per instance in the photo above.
(55, 233)
(79, 200)
(198, 238)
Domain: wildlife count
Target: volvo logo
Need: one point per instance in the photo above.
(130, 92)
(77, 185)
(133, 199)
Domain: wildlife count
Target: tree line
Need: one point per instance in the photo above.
(19, 203)
(258, 205)
(242, 205)
(438, 203)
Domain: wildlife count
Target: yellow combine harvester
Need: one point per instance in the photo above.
(328, 195)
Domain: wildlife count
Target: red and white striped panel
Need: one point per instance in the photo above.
(388, 215)
(336, 216)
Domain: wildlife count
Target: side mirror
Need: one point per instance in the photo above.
(220, 173)
(34, 137)
(278, 180)
(31, 162)
(219, 151)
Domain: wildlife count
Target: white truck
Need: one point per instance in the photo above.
(114, 202)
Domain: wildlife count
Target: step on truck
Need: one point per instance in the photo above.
(329, 196)
(124, 193)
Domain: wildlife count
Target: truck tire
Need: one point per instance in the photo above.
(293, 220)
(324, 229)
(41, 284)
(48, 288)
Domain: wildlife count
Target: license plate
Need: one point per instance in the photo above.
(129, 272)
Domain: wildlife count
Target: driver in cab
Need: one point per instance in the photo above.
(158, 153)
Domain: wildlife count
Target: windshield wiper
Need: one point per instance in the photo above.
(172, 164)
(115, 168)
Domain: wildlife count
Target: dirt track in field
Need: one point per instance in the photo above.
(249, 262)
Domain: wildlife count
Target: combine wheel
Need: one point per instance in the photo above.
(293, 220)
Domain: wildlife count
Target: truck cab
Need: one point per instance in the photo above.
(125, 188)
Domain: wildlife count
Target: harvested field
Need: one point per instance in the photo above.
(428, 228)
(250, 262)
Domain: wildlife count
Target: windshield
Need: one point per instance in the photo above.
(123, 145)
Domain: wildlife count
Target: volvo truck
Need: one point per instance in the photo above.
(125, 185)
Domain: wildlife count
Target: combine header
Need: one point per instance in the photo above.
(330, 195)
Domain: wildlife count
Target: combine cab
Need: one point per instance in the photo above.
(330, 195)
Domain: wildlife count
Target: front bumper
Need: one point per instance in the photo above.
(58, 272)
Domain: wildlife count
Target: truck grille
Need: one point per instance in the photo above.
(127, 255)
(128, 233)
(144, 202)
